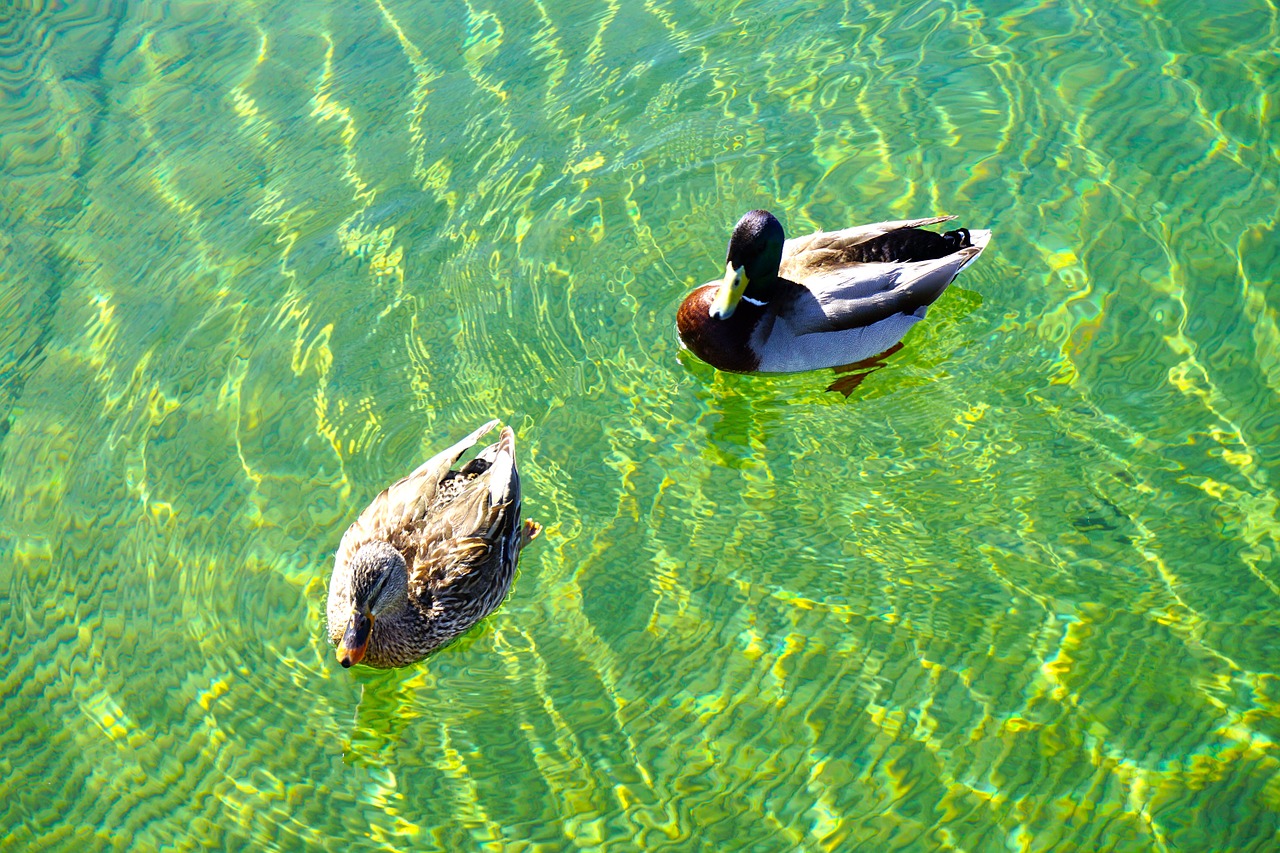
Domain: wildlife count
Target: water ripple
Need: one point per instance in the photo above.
(1018, 586)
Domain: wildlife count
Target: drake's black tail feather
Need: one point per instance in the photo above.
(908, 245)
(958, 239)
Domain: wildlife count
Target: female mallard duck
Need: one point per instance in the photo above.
(431, 556)
(823, 300)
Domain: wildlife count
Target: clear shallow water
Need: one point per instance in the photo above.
(1018, 591)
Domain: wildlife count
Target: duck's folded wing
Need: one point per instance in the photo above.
(402, 505)
(477, 527)
(804, 256)
(860, 295)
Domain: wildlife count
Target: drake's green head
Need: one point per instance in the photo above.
(751, 264)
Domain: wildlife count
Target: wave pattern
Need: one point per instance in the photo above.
(1018, 590)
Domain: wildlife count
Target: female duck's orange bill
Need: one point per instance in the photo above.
(356, 639)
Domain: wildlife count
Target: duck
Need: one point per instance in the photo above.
(823, 300)
(431, 555)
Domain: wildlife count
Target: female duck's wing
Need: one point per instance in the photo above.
(861, 294)
(475, 531)
(401, 507)
(823, 250)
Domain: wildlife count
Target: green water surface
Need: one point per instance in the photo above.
(1020, 590)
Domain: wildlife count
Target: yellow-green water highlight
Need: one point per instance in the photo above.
(1018, 591)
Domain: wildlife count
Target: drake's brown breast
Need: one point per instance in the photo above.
(723, 344)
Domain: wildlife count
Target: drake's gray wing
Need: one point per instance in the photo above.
(807, 255)
(859, 295)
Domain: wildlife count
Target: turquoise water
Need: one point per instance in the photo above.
(1018, 590)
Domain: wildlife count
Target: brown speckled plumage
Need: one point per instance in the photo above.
(459, 534)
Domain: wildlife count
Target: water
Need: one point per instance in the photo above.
(1017, 591)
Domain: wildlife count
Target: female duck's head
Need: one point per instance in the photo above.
(751, 264)
(379, 588)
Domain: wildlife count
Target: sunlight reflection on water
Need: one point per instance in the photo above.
(1016, 590)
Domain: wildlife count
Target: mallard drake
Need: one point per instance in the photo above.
(822, 300)
(431, 556)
